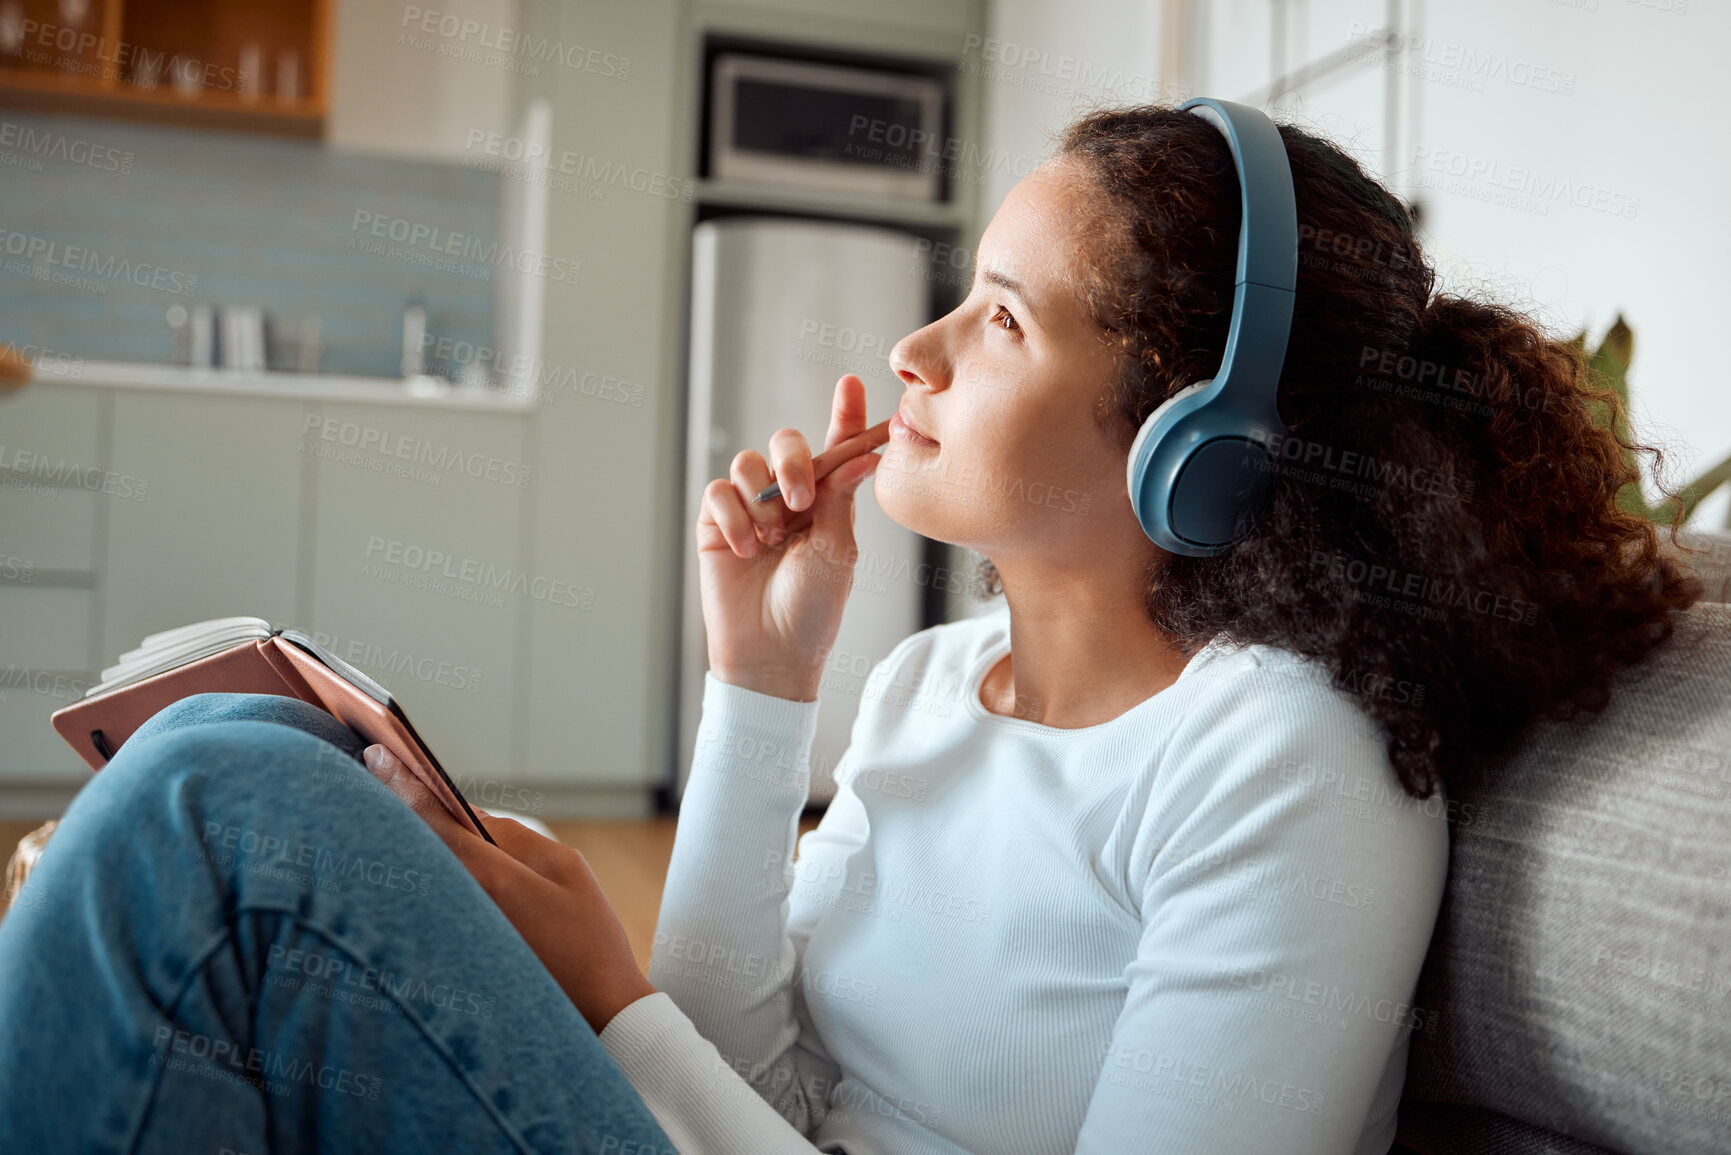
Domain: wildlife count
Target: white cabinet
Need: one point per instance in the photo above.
(48, 449)
(44, 635)
(415, 570)
(392, 533)
(52, 477)
(55, 536)
(415, 82)
(216, 530)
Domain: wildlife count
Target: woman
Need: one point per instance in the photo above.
(1147, 858)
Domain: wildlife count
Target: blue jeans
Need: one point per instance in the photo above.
(239, 941)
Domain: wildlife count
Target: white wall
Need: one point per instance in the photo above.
(1043, 60)
(1633, 129)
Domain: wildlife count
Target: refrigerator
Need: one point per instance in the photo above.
(780, 309)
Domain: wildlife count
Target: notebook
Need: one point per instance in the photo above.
(248, 656)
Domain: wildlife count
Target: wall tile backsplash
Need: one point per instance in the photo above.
(106, 224)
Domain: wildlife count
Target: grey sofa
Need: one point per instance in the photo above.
(1581, 966)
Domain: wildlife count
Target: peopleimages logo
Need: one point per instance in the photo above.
(1361, 250)
(1284, 451)
(59, 146)
(870, 893)
(16, 569)
(42, 357)
(476, 580)
(22, 464)
(1430, 597)
(1214, 1086)
(873, 138)
(1474, 64)
(1280, 987)
(49, 683)
(1037, 70)
(255, 1067)
(371, 656)
(336, 975)
(483, 43)
(526, 376)
(513, 150)
(430, 240)
(1436, 163)
(370, 438)
(87, 54)
(53, 255)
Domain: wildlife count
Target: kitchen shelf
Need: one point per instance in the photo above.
(98, 67)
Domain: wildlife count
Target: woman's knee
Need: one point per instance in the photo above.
(233, 755)
(205, 709)
(165, 792)
(263, 784)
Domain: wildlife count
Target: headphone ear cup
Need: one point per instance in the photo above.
(1190, 477)
(1141, 459)
(1218, 482)
(1135, 466)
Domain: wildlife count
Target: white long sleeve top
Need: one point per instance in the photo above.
(1194, 928)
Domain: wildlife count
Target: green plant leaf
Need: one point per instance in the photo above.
(1608, 367)
(1691, 495)
(1609, 364)
(1614, 355)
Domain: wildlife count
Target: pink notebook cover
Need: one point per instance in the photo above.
(97, 727)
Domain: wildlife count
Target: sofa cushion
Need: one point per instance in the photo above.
(1580, 972)
(1462, 1130)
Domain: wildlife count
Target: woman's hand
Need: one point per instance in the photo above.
(547, 891)
(775, 576)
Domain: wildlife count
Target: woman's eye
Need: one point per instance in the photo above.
(1003, 318)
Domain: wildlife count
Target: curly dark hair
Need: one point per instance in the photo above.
(1443, 534)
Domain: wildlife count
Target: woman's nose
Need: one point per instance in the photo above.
(918, 359)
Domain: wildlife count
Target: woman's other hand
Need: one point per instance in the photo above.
(546, 890)
(775, 575)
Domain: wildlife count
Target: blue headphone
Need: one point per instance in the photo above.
(1202, 458)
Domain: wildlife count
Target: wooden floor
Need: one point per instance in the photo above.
(629, 860)
(11, 832)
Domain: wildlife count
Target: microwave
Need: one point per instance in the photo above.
(829, 127)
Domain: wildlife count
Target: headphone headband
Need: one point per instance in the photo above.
(1268, 228)
(1200, 461)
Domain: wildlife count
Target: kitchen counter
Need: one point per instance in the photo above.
(426, 392)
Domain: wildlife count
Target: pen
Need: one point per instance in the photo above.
(826, 462)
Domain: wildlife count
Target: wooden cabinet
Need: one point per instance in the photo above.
(259, 65)
(368, 77)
